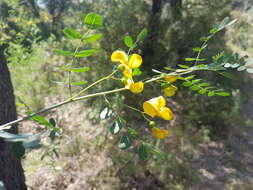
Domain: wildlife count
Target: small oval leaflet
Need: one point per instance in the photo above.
(115, 128)
(125, 142)
(105, 113)
(93, 21)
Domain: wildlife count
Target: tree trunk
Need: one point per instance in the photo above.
(153, 28)
(11, 171)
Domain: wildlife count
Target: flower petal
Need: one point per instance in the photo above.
(119, 56)
(127, 82)
(159, 133)
(128, 73)
(170, 91)
(171, 79)
(149, 109)
(135, 61)
(166, 114)
(137, 87)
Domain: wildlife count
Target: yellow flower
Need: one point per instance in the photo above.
(137, 87)
(134, 87)
(135, 61)
(160, 133)
(171, 79)
(126, 67)
(119, 56)
(156, 107)
(170, 91)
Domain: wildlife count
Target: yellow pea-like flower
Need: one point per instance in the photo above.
(156, 107)
(137, 87)
(152, 107)
(128, 73)
(135, 61)
(159, 133)
(119, 56)
(170, 91)
(166, 114)
(171, 79)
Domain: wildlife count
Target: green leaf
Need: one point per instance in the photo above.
(195, 87)
(227, 65)
(71, 33)
(196, 81)
(197, 49)
(165, 85)
(213, 31)
(85, 53)
(228, 75)
(189, 77)
(142, 35)
(125, 142)
(93, 21)
(203, 84)
(222, 93)
(250, 70)
(132, 131)
(183, 66)
(105, 113)
(187, 84)
(128, 41)
(52, 121)
(18, 151)
(77, 70)
(136, 72)
(194, 59)
(241, 68)
(93, 38)
(143, 152)
(211, 93)
(40, 119)
(202, 91)
(115, 128)
(83, 82)
(61, 52)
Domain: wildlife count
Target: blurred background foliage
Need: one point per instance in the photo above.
(31, 29)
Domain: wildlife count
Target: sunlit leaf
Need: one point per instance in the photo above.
(128, 41)
(222, 93)
(187, 84)
(71, 33)
(106, 113)
(85, 53)
(211, 93)
(194, 59)
(136, 72)
(93, 38)
(250, 70)
(40, 119)
(83, 82)
(93, 21)
(115, 128)
(77, 70)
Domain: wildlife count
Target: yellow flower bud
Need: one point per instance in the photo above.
(170, 91)
(171, 79)
(159, 133)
